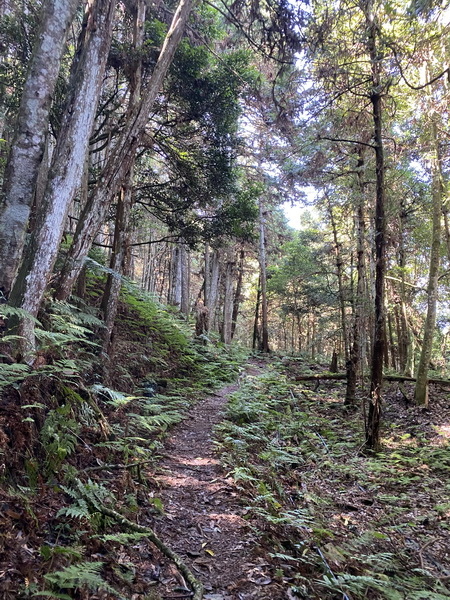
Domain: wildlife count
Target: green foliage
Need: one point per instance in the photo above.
(13, 374)
(81, 576)
(88, 499)
(17, 30)
(59, 435)
(67, 324)
(169, 336)
(294, 460)
(301, 277)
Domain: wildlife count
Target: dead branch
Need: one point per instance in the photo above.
(196, 585)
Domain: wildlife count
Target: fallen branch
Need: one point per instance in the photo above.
(118, 466)
(196, 585)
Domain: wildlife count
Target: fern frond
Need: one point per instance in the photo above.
(83, 574)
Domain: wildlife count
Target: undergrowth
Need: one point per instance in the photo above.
(71, 442)
(338, 523)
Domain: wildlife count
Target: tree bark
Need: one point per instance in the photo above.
(28, 145)
(405, 340)
(185, 279)
(238, 292)
(213, 291)
(340, 278)
(228, 303)
(354, 362)
(263, 278)
(67, 165)
(119, 257)
(256, 336)
(113, 283)
(374, 414)
(421, 390)
(175, 277)
(121, 156)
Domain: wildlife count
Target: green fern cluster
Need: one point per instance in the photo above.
(282, 446)
(59, 436)
(87, 501)
(85, 576)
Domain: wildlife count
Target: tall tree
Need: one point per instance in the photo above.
(122, 155)
(262, 256)
(31, 130)
(421, 389)
(67, 165)
(376, 96)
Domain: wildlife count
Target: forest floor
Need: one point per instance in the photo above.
(266, 494)
(261, 487)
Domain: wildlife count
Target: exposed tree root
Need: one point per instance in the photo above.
(196, 585)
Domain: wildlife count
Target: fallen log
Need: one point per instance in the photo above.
(320, 376)
(337, 376)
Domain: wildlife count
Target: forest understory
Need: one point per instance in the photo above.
(259, 485)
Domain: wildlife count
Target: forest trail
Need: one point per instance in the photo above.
(203, 517)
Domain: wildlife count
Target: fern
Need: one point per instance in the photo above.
(7, 311)
(59, 436)
(88, 499)
(13, 374)
(80, 510)
(85, 575)
(155, 423)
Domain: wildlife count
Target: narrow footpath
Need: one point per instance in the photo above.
(203, 517)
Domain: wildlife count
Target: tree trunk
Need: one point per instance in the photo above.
(113, 283)
(67, 165)
(263, 278)
(339, 269)
(119, 256)
(238, 292)
(213, 291)
(228, 303)
(31, 130)
(374, 415)
(421, 389)
(353, 365)
(207, 277)
(256, 336)
(175, 277)
(391, 342)
(185, 279)
(121, 156)
(406, 350)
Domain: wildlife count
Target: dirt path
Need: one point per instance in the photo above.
(203, 519)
